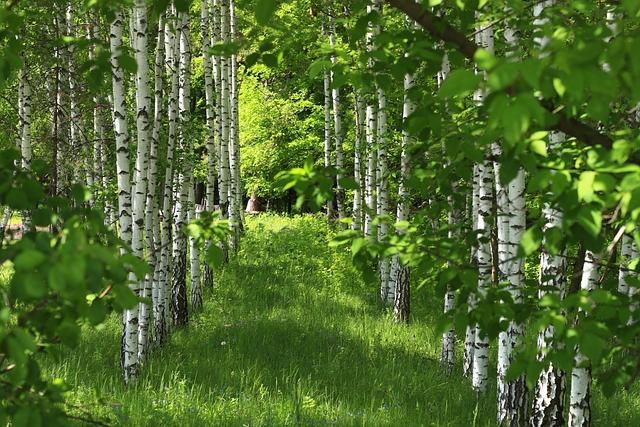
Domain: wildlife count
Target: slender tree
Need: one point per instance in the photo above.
(165, 276)
(480, 372)
(152, 219)
(209, 90)
(399, 276)
(129, 353)
(580, 396)
(548, 403)
(179, 286)
(447, 354)
(338, 132)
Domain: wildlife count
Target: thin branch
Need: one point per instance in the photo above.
(441, 29)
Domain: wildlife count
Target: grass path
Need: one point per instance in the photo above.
(289, 336)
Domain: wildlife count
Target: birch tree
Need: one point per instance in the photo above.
(207, 41)
(26, 150)
(484, 257)
(152, 219)
(179, 286)
(580, 396)
(548, 403)
(511, 223)
(447, 354)
(165, 277)
(399, 276)
(358, 170)
(326, 84)
(235, 197)
(371, 125)
(143, 104)
(129, 352)
(337, 118)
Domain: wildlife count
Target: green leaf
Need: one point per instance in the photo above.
(531, 240)
(29, 259)
(264, 11)
(585, 186)
(215, 255)
(539, 147)
(459, 82)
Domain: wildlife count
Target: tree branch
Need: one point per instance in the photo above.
(441, 30)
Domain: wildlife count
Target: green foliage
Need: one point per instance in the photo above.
(59, 281)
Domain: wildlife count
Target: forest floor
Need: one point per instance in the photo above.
(290, 335)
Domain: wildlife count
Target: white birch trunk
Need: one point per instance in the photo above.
(179, 286)
(152, 205)
(337, 120)
(129, 353)
(580, 396)
(25, 140)
(143, 103)
(447, 354)
(166, 264)
(224, 114)
(235, 198)
(194, 251)
(370, 148)
(470, 332)
(210, 122)
(548, 403)
(399, 278)
(484, 258)
(358, 172)
(327, 124)
(481, 346)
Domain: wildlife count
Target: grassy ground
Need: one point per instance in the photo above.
(290, 336)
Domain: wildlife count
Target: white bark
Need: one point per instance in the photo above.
(327, 124)
(358, 171)
(481, 346)
(210, 121)
(400, 281)
(235, 198)
(152, 204)
(224, 113)
(166, 264)
(511, 223)
(626, 251)
(484, 258)
(25, 140)
(370, 148)
(143, 103)
(179, 287)
(447, 354)
(337, 120)
(194, 258)
(579, 398)
(129, 352)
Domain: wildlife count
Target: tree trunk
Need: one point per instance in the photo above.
(180, 312)
(166, 264)
(143, 103)
(399, 276)
(129, 353)
(152, 204)
(337, 119)
(447, 354)
(580, 396)
(484, 255)
(358, 173)
(25, 140)
(210, 121)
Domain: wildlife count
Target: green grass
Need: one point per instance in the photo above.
(290, 336)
